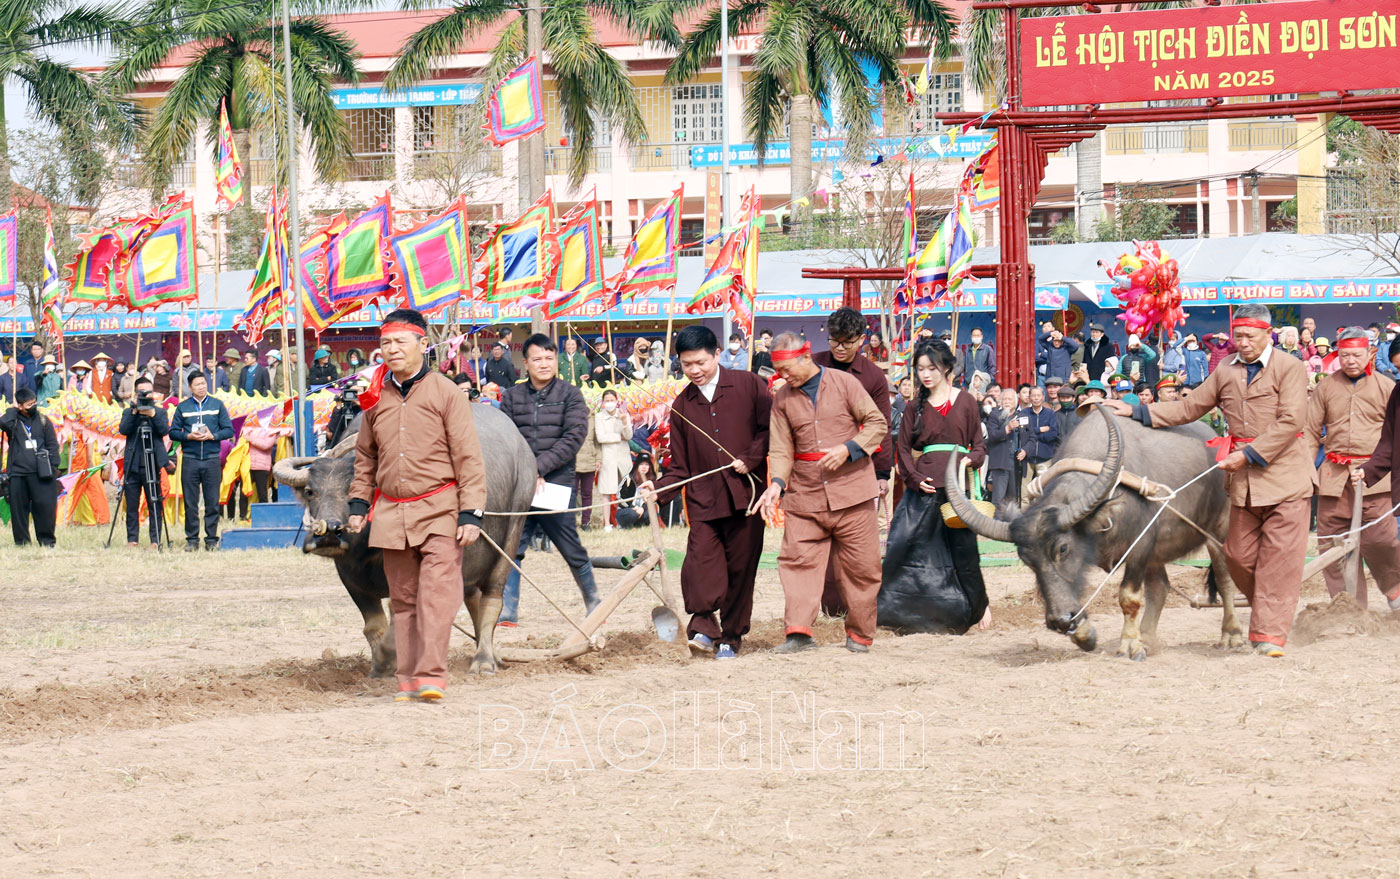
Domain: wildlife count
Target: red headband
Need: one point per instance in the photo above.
(793, 354)
(1353, 343)
(401, 328)
(1250, 322)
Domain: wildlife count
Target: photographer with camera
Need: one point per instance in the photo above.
(345, 417)
(145, 427)
(201, 423)
(33, 469)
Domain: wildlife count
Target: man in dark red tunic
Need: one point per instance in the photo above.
(720, 420)
(845, 334)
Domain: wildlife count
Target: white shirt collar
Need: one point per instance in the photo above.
(709, 388)
(1263, 360)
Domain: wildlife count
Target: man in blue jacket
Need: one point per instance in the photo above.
(1040, 432)
(201, 423)
(1055, 351)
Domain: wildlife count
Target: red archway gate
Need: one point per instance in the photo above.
(1207, 52)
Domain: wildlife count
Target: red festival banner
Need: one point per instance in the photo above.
(1213, 51)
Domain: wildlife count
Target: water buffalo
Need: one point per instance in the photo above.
(1085, 521)
(323, 485)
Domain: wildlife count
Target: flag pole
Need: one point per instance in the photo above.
(295, 246)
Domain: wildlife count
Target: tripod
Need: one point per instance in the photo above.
(151, 487)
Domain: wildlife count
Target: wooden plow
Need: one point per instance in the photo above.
(585, 639)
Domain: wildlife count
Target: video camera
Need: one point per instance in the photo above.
(350, 398)
(145, 400)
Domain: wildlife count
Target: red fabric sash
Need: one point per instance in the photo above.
(1226, 444)
(379, 495)
(1346, 460)
(810, 456)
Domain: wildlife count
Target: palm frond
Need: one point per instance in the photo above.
(763, 109)
(701, 45)
(441, 38)
(193, 96)
(85, 25)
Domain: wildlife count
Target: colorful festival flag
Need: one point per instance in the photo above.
(650, 261)
(515, 109)
(358, 263)
(960, 245)
(316, 305)
(433, 261)
(580, 278)
(731, 284)
(265, 296)
(101, 260)
(521, 259)
(161, 268)
(911, 237)
(9, 256)
(981, 183)
(51, 288)
(228, 175)
(930, 270)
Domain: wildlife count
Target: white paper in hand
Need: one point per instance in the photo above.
(552, 497)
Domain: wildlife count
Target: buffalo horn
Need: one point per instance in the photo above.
(1102, 486)
(291, 472)
(342, 448)
(972, 517)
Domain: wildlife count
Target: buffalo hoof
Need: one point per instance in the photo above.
(1088, 643)
(483, 666)
(1231, 641)
(381, 672)
(1139, 655)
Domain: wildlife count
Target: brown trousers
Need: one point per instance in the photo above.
(425, 591)
(1265, 551)
(849, 539)
(721, 559)
(1379, 546)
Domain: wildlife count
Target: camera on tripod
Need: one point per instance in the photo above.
(145, 400)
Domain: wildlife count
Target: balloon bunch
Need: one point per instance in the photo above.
(1145, 283)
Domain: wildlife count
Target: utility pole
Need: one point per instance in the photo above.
(532, 162)
(297, 426)
(1255, 220)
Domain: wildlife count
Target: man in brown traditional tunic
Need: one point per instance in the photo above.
(720, 420)
(421, 480)
(1263, 395)
(1350, 404)
(845, 336)
(823, 430)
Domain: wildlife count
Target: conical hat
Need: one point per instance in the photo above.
(83, 364)
(102, 356)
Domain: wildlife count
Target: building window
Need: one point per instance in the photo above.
(944, 95)
(697, 113)
(371, 143)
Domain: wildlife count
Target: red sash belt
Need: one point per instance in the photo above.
(810, 456)
(1346, 460)
(379, 495)
(1228, 443)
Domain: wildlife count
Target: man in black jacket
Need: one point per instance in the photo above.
(1096, 352)
(143, 422)
(33, 467)
(322, 371)
(553, 418)
(201, 423)
(253, 378)
(499, 368)
(1040, 432)
(1003, 442)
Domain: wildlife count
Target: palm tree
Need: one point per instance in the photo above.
(810, 52)
(234, 56)
(59, 93)
(591, 83)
